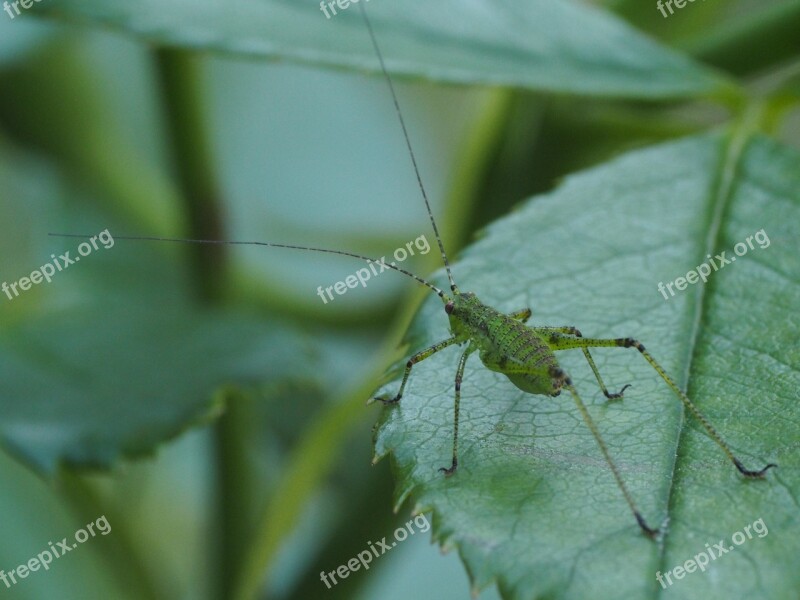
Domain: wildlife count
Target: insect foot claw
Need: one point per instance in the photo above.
(619, 394)
(449, 471)
(752, 474)
(648, 531)
(386, 401)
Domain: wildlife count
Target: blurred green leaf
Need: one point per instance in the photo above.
(33, 517)
(554, 46)
(17, 39)
(752, 42)
(87, 385)
(533, 505)
(111, 357)
(123, 160)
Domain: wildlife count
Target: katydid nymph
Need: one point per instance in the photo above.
(526, 355)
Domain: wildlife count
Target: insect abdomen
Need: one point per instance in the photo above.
(509, 347)
(530, 364)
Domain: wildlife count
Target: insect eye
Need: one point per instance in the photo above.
(448, 308)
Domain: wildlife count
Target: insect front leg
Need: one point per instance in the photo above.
(419, 356)
(459, 376)
(584, 343)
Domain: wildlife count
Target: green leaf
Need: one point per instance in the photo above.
(88, 385)
(110, 358)
(554, 46)
(533, 505)
(33, 516)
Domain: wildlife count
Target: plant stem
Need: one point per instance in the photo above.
(181, 85)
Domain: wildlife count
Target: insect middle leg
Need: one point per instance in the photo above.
(419, 356)
(585, 343)
(606, 393)
(459, 376)
(572, 331)
(525, 314)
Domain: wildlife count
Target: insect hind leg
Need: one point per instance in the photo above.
(585, 343)
(604, 449)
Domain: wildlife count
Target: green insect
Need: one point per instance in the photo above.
(526, 355)
(505, 344)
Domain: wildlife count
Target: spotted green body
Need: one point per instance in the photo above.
(506, 345)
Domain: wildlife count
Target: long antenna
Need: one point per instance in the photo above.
(368, 259)
(268, 244)
(408, 143)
